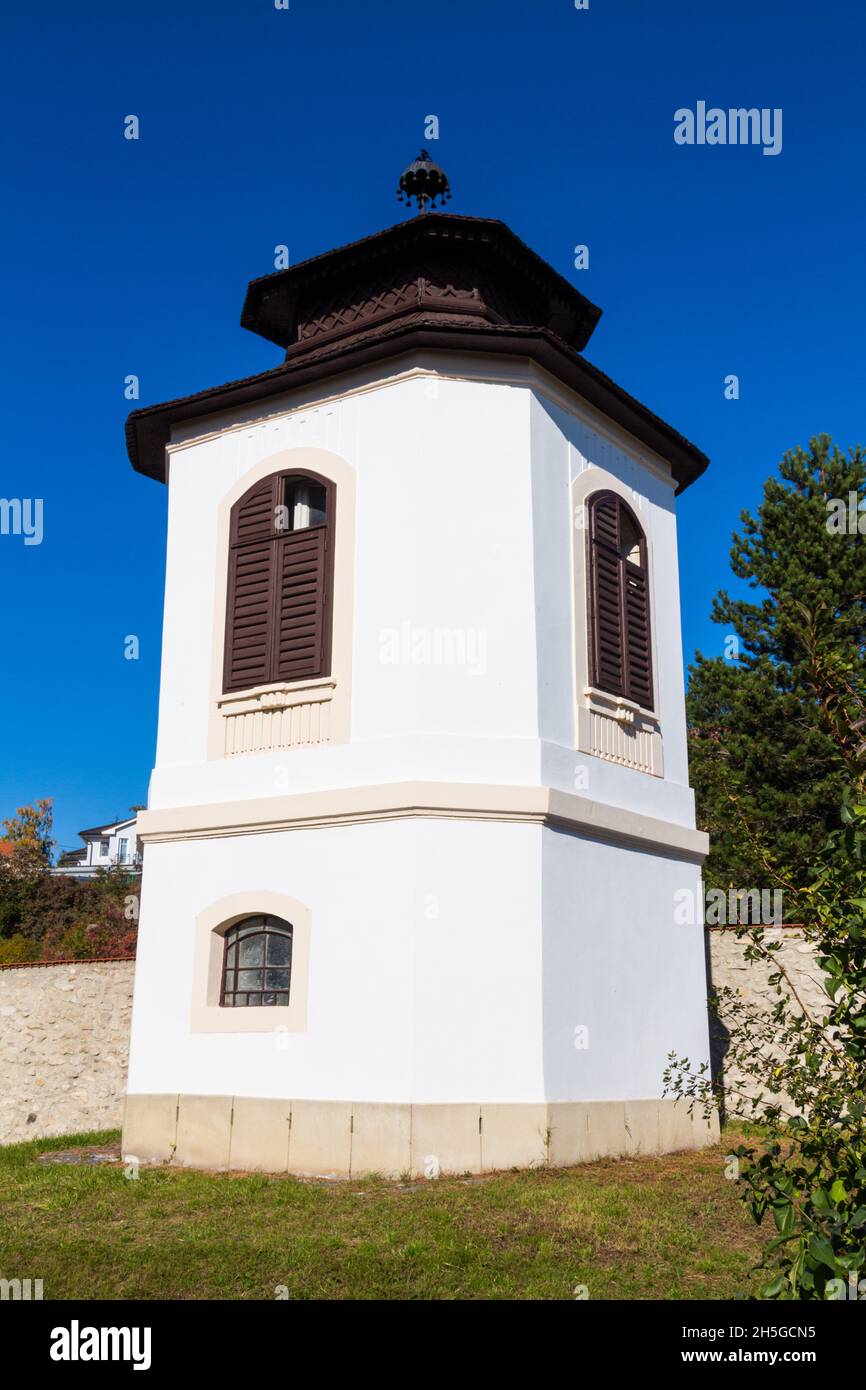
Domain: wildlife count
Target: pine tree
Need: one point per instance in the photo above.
(763, 764)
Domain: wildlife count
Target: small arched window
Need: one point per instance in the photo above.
(280, 581)
(619, 614)
(257, 963)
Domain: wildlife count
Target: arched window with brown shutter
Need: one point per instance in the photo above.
(619, 612)
(280, 582)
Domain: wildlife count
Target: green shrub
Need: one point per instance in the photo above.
(16, 949)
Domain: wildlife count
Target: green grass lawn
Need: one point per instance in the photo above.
(664, 1228)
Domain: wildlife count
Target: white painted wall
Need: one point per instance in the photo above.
(463, 522)
(449, 961)
(463, 525)
(565, 446)
(616, 963)
(425, 964)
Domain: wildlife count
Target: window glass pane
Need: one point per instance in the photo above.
(279, 949)
(257, 963)
(305, 501)
(252, 951)
(630, 538)
(276, 979)
(245, 928)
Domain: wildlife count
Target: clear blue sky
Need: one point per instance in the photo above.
(261, 126)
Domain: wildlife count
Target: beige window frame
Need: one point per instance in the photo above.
(211, 925)
(284, 715)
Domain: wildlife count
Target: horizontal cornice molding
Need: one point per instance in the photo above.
(433, 366)
(431, 800)
(149, 429)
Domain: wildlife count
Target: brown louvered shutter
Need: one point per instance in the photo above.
(250, 615)
(249, 619)
(606, 570)
(639, 681)
(619, 602)
(254, 518)
(301, 595)
(279, 589)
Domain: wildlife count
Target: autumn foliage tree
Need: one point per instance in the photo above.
(29, 834)
(45, 916)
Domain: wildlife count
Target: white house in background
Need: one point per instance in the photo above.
(420, 814)
(112, 846)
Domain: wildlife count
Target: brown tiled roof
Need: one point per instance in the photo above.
(71, 856)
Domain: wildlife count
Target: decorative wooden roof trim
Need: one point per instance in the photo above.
(497, 264)
(439, 281)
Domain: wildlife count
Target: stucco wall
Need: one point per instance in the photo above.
(424, 964)
(64, 1043)
(467, 532)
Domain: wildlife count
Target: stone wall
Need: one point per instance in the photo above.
(64, 1044)
(64, 1031)
(727, 965)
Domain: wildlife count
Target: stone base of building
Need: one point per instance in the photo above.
(346, 1139)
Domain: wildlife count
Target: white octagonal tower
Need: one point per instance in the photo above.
(420, 811)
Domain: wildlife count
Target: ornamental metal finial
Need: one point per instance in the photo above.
(425, 182)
